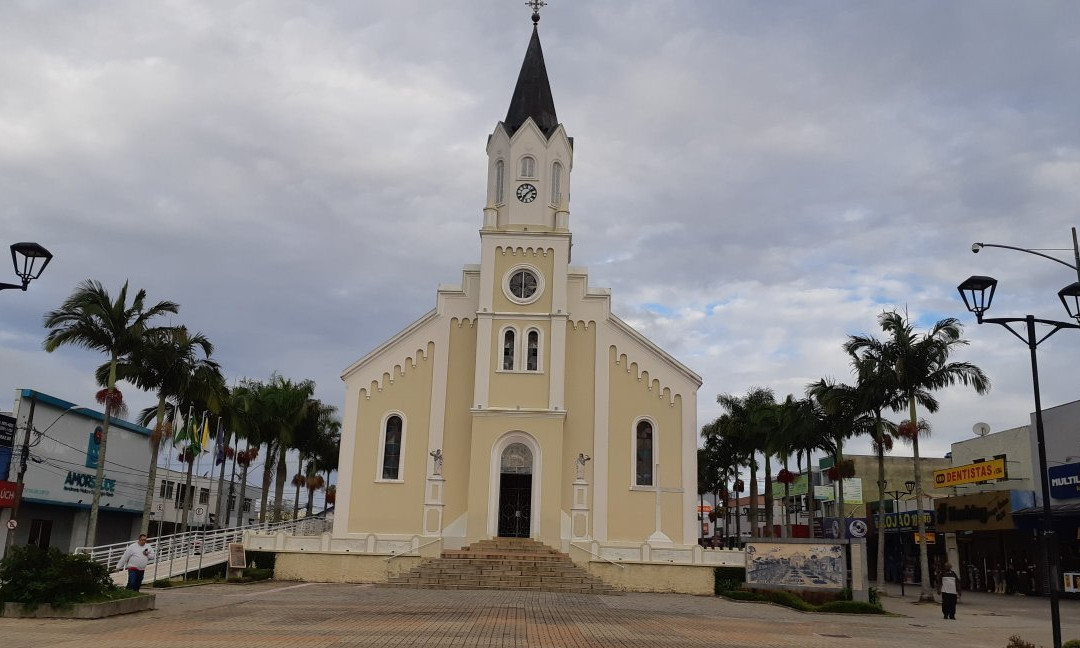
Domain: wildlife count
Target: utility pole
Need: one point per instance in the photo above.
(24, 454)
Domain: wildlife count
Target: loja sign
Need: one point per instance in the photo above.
(9, 494)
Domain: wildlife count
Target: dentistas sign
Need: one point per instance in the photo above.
(971, 473)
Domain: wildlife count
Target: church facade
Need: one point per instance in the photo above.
(520, 405)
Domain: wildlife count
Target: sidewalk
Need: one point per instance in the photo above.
(1028, 616)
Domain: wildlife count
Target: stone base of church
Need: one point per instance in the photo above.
(632, 567)
(340, 567)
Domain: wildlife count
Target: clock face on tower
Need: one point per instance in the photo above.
(526, 193)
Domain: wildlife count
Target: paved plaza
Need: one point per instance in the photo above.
(332, 615)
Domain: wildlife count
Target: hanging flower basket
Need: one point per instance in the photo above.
(331, 494)
(739, 486)
(908, 430)
(299, 481)
(785, 477)
(230, 453)
(112, 399)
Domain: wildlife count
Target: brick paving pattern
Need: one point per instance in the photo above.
(331, 616)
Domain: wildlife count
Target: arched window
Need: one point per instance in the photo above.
(391, 465)
(508, 350)
(499, 182)
(516, 459)
(643, 447)
(556, 184)
(532, 358)
(528, 167)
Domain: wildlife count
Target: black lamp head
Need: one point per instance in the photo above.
(1070, 297)
(974, 293)
(909, 485)
(24, 256)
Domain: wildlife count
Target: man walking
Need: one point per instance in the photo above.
(135, 558)
(950, 591)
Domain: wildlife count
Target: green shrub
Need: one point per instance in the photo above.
(728, 578)
(30, 576)
(1072, 643)
(851, 607)
(1016, 642)
(789, 599)
(875, 596)
(743, 595)
(164, 582)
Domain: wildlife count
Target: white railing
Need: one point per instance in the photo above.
(180, 553)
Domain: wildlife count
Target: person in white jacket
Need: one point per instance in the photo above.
(135, 559)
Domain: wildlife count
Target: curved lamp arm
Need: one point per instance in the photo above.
(975, 247)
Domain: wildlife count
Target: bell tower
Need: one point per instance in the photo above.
(529, 155)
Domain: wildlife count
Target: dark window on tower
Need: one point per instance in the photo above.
(532, 360)
(392, 448)
(508, 350)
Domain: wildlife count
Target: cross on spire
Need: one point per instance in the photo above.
(536, 6)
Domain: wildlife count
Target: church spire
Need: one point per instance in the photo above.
(532, 94)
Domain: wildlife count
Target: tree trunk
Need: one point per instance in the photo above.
(99, 478)
(738, 517)
(926, 592)
(240, 519)
(221, 479)
(151, 476)
(753, 500)
(840, 481)
(811, 502)
(232, 488)
(787, 517)
(768, 497)
(310, 500)
(187, 494)
(279, 485)
(296, 500)
(881, 506)
(267, 479)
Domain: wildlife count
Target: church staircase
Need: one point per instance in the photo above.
(502, 564)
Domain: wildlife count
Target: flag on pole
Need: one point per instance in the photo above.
(180, 434)
(219, 444)
(204, 439)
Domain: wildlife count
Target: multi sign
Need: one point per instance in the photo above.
(971, 473)
(1064, 481)
(907, 520)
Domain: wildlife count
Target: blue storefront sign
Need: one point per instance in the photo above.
(1064, 481)
(908, 521)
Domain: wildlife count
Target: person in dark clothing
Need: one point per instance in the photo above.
(950, 592)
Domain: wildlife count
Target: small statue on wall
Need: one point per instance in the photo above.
(436, 455)
(582, 459)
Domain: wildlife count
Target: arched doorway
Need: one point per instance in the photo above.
(515, 491)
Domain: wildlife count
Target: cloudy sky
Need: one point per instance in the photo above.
(755, 181)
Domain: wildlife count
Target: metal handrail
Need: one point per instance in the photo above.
(409, 551)
(590, 551)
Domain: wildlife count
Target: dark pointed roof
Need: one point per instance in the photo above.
(532, 95)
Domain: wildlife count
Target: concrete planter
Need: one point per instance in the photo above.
(80, 610)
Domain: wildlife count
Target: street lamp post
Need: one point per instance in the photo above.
(895, 495)
(24, 256)
(974, 293)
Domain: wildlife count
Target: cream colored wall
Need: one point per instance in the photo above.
(487, 430)
(457, 430)
(520, 388)
(633, 394)
(580, 414)
(508, 257)
(645, 577)
(339, 567)
(379, 505)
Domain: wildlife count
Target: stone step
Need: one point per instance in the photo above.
(504, 563)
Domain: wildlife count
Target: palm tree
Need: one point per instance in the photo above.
(878, 391)
(90, 318)
(251, 405)
(748, 421)
(165, 363)
(319, 420)
(843, 416)
(289, 403)
(918, 365)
